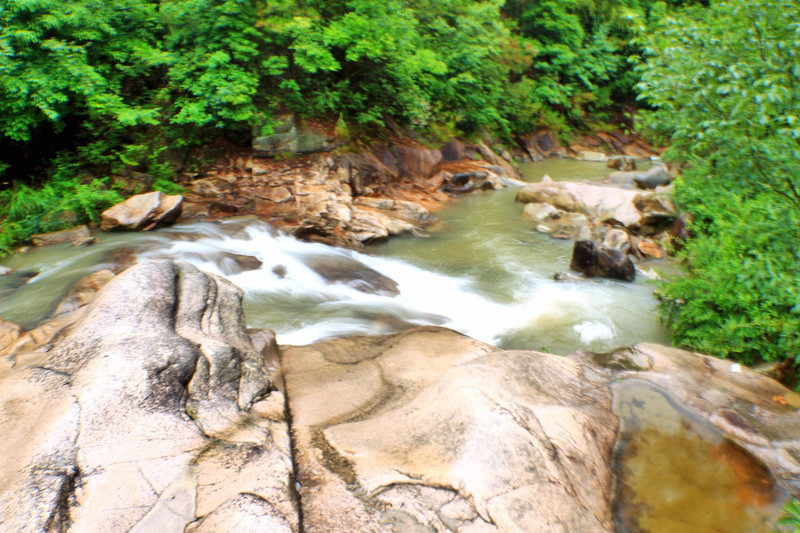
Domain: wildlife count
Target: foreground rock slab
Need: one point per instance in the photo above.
(150, 407)
(430, 430)
(154, 411)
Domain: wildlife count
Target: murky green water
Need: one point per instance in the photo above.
(485, 240)
(487, 273)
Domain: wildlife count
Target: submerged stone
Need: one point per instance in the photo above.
(677, 473)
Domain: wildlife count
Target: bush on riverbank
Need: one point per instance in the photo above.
(725, 82)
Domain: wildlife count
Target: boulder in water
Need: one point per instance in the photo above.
(593, 260)
(617, 239)
(652, 178)
(643, 179)
(340, 269)
(621, 163)
(536, 212)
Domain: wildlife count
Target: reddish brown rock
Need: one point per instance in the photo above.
(543, 144)
(416, 162)
(651, 250)
(75, 235)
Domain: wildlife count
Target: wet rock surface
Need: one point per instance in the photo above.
(348, 199)
(623, 224)
(598, 261)
(150, 407)
(152, 411)
(77, 236)
(340, 269)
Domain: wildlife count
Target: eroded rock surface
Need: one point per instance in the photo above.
(756, 412)
(77, 236)
(152, 412)
(428, 430)
(152, 408)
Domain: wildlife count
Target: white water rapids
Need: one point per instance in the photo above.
(487, 274)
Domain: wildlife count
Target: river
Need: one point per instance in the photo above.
(485, 272)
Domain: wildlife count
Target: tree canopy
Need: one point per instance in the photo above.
(725, 85)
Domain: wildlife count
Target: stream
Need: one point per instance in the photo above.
(486, 273)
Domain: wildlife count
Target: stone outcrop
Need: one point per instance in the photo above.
(432, 431)
(142, 212)
(656, 176)
(153, 410)
(289, 138)
(349, 199)
(603, 202)
(615, 217)
(541, 145)
(428, 430)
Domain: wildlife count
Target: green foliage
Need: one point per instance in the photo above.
(214, 51)
(58, 58)
(116, 82)
(62, 202)
(791, 516)
(370, 60)
(724, 84)
(571, 57)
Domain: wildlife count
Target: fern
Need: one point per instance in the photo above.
(791, 516)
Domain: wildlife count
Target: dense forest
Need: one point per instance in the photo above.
(89, 87)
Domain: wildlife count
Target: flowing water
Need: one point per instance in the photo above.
(486, 273)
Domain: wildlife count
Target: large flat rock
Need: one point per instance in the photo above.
(430, 430)
(603, 202)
